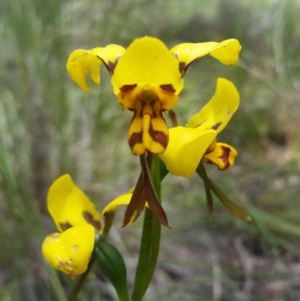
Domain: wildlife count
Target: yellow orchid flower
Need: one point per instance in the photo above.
(147, 78)
(188, 145)
(77, 220)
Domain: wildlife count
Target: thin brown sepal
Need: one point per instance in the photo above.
(137, 202)
(151, 196)
(144, 193)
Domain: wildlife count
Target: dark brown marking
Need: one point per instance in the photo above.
(89, 218)
(65, 226)
(168, 88)
(216, 126)
(182, 67)
(127, 88)
(134, 139)
(159, 136)
(111, 66)
(225, 156)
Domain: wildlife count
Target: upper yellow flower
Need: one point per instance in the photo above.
(77, 220)
(188, 145)
(147, 78)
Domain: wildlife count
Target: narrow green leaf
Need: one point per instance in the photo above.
(113, 266)
(233, 208)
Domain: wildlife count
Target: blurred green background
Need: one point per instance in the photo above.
(48, 127)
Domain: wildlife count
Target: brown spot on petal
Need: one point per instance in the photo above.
(127, 88)
(225, 157)
(159, 137)
(89, 218)
(168, 88)
(65, 226)
(216, 126)
(182, 67)
(111, 66)
(134, 139)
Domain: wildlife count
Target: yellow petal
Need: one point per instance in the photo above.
(223, 156)
(121, 200)
(82, 63)
(70, 251)
(147, 61)
(227, 52)
(218, 111)
(69, 206)
(186, 148)
(109, 55)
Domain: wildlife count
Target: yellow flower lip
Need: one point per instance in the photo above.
(70, 251)
(186, 148)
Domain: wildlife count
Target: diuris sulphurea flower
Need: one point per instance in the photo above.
(147, 78)
(78, 221)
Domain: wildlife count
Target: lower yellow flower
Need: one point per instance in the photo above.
(70, 251)
(78, 221)
(188, 145)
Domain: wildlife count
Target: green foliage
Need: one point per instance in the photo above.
(49, 127)
(113, 266)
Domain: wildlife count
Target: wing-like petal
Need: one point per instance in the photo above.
(218, 111)
(82, 63)
(227, 52)
(69, 206)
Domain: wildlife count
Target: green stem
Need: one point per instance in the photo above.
(209, 199)
(79, 283)
(150, 240)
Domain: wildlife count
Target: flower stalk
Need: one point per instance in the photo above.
(150, 239)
